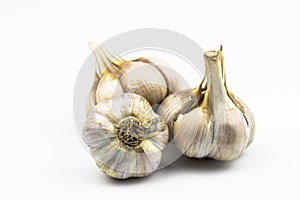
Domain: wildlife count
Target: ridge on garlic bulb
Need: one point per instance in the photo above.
(125, 136)
(148, 77)
(209, 121)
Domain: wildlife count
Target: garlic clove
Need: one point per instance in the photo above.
(175, 82)
(125, 136)
(91, 135)
(194, 137)
(230, 137)
(251, 124)
(248, 115)
(131, 105)
(123, 164)
(109, 87)
(143, 79)
(178, 103)
(91, 100)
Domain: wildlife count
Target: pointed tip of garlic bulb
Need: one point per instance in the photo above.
(94, 43)
(105, 60)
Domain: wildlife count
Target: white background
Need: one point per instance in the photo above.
(43, 45)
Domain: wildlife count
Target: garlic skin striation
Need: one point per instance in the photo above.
(214, 123)
(125, 136)
(148, 77)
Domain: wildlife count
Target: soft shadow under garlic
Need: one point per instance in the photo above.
(197, 165)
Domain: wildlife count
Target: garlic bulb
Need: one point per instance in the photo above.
(214, 122)
(150, 78)
(125, 136)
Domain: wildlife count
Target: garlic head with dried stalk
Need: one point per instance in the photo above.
(221, 126)
(148, 77)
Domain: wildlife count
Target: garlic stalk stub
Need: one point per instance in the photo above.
(220, 127)
(125, 136)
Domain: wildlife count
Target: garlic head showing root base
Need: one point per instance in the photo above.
(125, 136)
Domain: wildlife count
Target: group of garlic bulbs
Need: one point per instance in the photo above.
(126, 136)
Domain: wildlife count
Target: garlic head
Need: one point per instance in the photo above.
(125, 136)
(215, 123)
